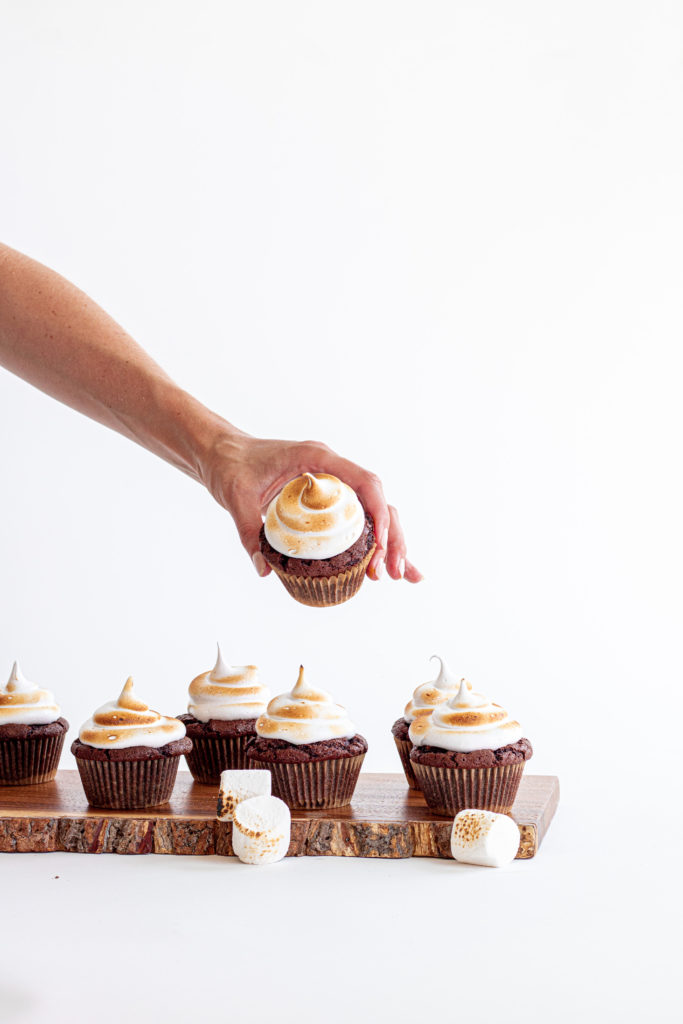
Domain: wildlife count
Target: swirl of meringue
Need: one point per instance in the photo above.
(429, 695)
(314, 516)
(129, 722)
(24, 703)
(304, 715)
(227, 693)
(468, 721)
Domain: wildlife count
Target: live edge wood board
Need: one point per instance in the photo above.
(385, 819)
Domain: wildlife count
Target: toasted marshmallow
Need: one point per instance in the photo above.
(227, 693)
(468, 721)
(429, 695)
(24, 703)
(129, 722)
(238, 784)
(304, 715)
(261, 830)
(314, 516)
(482, 837)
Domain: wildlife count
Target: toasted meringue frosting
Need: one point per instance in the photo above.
(304, 715)
(429, 695)
(24, 703)
(314, 516)
(227, 692)
(468, 721)
(128, 722)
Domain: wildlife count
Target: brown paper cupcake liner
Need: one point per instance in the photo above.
(129, 784)
(313, 784)
(211, 755)
(404, 747)
(449, 790)
(28, 761)
(323, 591)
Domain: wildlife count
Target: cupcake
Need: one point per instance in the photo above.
(468, 753)
(221, 718)
(31, 732)
(318, 539)
(425, 698)
(312, 750)
(127, 754)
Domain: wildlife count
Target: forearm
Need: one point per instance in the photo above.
(56, 338)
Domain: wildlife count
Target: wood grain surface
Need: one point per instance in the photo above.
(385, 819)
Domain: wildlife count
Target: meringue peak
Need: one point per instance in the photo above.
(220, 669)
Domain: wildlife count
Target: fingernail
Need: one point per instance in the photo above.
(259, 563)
(385, 537)
(402, 568)
(379, 570)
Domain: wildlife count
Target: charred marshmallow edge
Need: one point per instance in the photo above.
(482, 837)
(238, 785)
(261, 830)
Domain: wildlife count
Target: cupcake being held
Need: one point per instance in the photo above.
(318, 538)
(310, 747)
(425, 698)
(31, 732)
(127, 755)
(469, 753)
(221, 718)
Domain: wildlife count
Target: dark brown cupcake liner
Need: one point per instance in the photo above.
(211, 755)
(449, 790)
(129, 784)
(323, 591)
(404, 747)
(313, 784)
(29, 761)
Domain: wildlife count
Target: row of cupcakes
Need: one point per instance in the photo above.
(128, 754)
(457, 747)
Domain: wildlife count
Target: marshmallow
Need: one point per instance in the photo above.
(238, 785)
(261, 830)
(482, 837)
(314, 516)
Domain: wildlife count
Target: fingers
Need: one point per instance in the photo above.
(412, 574)
(370, 492)
(248, 523)
(396, 547)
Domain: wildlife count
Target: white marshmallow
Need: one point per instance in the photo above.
(482, 837)
(261, 830)
(238, 785)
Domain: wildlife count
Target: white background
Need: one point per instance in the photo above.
(445, 238)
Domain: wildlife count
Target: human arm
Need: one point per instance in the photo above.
(56, 338)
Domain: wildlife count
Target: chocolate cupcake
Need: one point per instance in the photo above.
(318, 539)
(468, 753)
(425, 698)
(31, 732)
(221, 718)
(310, 747)
(127, 755)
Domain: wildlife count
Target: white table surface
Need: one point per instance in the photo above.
(573, 934)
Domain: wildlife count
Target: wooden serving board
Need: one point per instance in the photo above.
(385, 819)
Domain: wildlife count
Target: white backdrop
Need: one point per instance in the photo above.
(445, 239)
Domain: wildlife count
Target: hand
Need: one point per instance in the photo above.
(245, 473)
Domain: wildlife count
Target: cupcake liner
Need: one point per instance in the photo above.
(404, 747)
(449, 790)
(128, 784)
(28, 761)
(314, 784)
(211, 755)
(323, 591)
